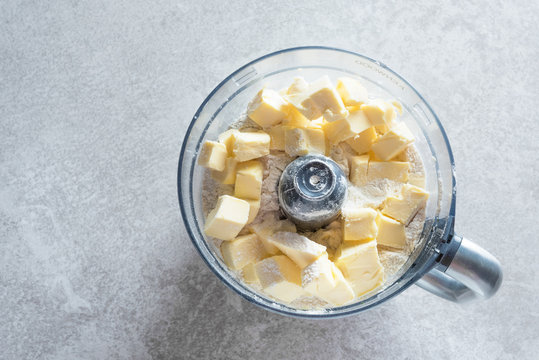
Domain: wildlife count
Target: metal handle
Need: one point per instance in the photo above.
(470, 273)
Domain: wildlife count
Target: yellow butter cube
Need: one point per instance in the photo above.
(227, 138)
(276, 134)
(351, 91)
(242, 251)
(317, 98)
(213, 156)
(359, 224)
(318, 123)
(280, 278)
(299, 142)
(325, 97)
(267, 227)
(404, 206)
(381, 129)
(300, 249)
(390, 232)
(251, 145)
(343, 129)
(392, 170)
(360, 265)
(325, 281)
(227, 219)
(393, 142)
(373, 157)
(296, 119)
(342, 293)
(268, 108)
(249, 274)
(254, 207)
(359, 167)
(228, 175)
(298, 86)
(362, 142)
(417, 179)
(249, 179)
(317, 278)
(379, 112)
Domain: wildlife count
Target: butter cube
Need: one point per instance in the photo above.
(268, 108)
(254, 207)
(296, 119)
(317, 98)
(359, 167)
(381, 129)
(268, 227)
(417, 179)
(227, 219)
(249, 179)
(360, 224)
(360, 265)
(325, 281)
(251, 145)
(280, 278)
(213, 156)
(392, 170)
(298, 86)
(297, 247)
(317, 277)
(351, 91)
(390, 232)
(242, 251)
(276, 134)
(299, 142)
(318, 123)
(228, 175)
(393, 142)
(379, 112)
(227, 138)
(249, 274)
(343, 129)
(342, 292)
(362, 142)
(404, 207)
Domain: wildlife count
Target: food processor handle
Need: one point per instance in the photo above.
(467, 272)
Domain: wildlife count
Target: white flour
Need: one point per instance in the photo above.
(370, 195)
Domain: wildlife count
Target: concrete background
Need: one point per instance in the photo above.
(95, 97)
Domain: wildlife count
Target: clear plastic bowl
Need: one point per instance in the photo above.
(230, 98)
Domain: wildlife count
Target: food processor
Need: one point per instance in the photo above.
(443, 263)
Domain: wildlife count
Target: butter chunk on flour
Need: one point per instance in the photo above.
(390, 232)
(360, 224)
(268, 108)
(300, 249)
(324, 280)
(242, 251)
(404, 206)
(267, 227)
(251, 145)
(360, 265)
(228, 217)
(249, 180)
(393, 142)
(213, 156)
(280, 278)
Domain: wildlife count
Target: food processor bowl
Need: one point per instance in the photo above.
(448, 265)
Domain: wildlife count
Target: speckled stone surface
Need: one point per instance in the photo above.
(95, 98)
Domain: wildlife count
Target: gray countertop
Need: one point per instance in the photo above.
(95, 98)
